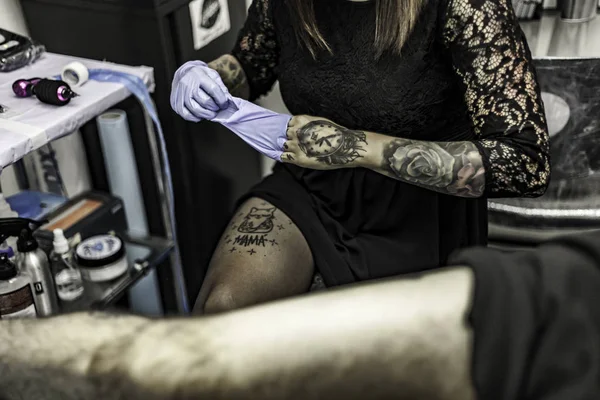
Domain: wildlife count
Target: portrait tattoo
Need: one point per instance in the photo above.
(254, 229)
(330, 143)
(454, 168)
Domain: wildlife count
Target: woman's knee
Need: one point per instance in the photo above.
(220, 299)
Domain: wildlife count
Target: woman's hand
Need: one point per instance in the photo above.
(318, 143)
(198, 92)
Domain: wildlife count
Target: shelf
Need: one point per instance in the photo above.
(530, 236)
(29, 124)
(144, 254)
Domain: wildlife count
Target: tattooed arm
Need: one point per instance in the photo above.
(454, 168)
(257, 50)
(352, 344)
(251, 69)
(232, 74)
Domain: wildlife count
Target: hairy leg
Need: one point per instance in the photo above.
(262, 256)
(401, 339)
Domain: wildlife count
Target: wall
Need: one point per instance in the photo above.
(11, 17)
(550, 37)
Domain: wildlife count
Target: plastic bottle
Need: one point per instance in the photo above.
(67, 278)
(16, 297)
(32, 260)
(5, 248)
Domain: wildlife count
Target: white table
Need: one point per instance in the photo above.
(29, 124)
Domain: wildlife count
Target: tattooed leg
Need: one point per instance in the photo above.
(262, 256)
(233, 75)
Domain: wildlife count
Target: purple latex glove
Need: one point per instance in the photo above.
(197, 92)
(264, 130)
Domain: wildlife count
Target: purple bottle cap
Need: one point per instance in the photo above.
(8, 251)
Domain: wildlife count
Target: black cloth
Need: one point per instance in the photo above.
(536, 320)
(465, 73)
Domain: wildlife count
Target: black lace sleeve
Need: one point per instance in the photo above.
(491, 57)
(257, 49)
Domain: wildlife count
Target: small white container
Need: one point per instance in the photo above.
(101, 258)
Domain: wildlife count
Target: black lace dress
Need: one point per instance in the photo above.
(464, 74)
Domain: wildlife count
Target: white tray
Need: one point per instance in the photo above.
(29, 124)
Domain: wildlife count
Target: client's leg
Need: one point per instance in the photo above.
(401, 339)
(533, 333)
(262, 256)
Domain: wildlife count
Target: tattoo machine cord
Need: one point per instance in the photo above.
(138, 88)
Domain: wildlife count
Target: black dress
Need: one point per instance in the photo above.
(464, 74)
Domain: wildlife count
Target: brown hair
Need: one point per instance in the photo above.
(395, 21)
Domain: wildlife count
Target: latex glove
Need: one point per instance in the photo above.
(197, 92)
(264, 130)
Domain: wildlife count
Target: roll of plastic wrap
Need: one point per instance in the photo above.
(124, 182)
(75, 74)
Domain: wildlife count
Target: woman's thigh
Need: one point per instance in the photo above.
(262, 256)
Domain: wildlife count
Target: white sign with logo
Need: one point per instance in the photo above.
(210, 19)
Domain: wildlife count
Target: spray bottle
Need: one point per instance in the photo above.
(32, 261)
(69, 284)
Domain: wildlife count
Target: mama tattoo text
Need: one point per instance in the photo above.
(253, 231)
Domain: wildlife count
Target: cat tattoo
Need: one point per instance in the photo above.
(255, 227)
(258, 220)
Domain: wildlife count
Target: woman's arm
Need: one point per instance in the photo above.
(232, 74)
(509, 156)
(397, 339)
(454, 168)
(250, 71)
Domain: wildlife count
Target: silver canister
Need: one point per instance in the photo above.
(578, 10)
(35, 264)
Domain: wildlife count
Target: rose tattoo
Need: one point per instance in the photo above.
(454, 167)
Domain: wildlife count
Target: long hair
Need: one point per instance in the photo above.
(395, 20)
